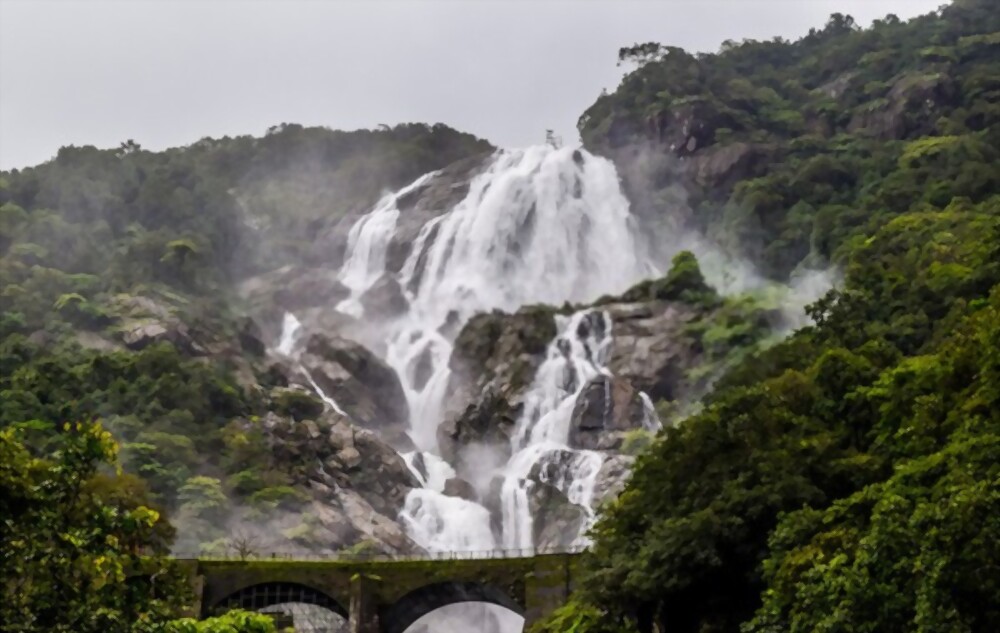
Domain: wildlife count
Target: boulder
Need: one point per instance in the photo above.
(140, 335)
(360, 383)
(384, 299)
(456, 487)
(606, 408)
(556, 521)
(651, 349)
(612, 477)
(494, 360)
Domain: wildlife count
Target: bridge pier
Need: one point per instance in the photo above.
(363, 610)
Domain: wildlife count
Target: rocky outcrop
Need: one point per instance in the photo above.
(360, 383)
(384, 299)
(722, 166)
(557, 521)
(493, 362)
(605, 409)
(359, 483)
(439, 195)
(611, 478)
(908, 109)
(143, 321)
(294, 289)
(652, 350)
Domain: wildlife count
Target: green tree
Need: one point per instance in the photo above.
(79, 555)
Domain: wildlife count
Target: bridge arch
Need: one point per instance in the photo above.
(265, 594)
(419, 602)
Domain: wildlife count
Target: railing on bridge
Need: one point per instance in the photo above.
(363, 557)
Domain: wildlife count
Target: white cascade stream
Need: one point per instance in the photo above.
(540, 225)
(367, 242)
(541, 438)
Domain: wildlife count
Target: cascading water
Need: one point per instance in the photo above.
(367, 243)
(541, 225)
(541, 439)
(291, 329)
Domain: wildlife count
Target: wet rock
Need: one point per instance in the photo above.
(384, 299)
(495, 359)
(456, 487)
(491, 422)
(612, 477)
(606, 408)
(651, 349)
(360, 383)
(557, 521)
(438, 196)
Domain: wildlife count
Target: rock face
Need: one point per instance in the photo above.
(293, 289)
(366, 388)
(908, 109)
(384, 299)
(651, 350)
(721, 166)
(557, 520)
(605, 409)
(442, 192)
(612, 477)
(494, 360)
(359, 482)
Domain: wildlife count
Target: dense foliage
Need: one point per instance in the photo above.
(847, 478)
(786, 151)
(98, 244)
(81, 548)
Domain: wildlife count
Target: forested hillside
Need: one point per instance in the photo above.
(845, 477)
(119, 273)
(848, 478)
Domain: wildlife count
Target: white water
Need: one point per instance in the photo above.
(535, 227)
(367, 242)
(541, 225)
(541, 439)
(291, 329)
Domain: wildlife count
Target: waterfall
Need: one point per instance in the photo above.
(291, 329)
(367, 242)
(539, 225)
(541, 438)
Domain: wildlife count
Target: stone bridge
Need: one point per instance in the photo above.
(385, 596)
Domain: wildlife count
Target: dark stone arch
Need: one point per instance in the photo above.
(266, 594)
(420, 602)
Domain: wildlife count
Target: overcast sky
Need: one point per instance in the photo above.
(168, 73)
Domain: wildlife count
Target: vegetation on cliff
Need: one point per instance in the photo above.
(846, 478)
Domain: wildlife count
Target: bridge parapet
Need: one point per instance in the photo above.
(386, 594)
